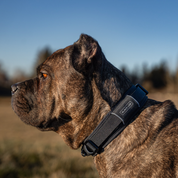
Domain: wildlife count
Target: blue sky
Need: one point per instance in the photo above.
(130, 32)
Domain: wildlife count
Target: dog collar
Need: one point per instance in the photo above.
(115, 121)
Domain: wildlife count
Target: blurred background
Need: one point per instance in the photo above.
(139, 37)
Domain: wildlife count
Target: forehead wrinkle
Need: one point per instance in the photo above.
(44, 66)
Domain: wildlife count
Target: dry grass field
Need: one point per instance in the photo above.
(26, 152)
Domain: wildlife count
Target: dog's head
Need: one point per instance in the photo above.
(68, 90)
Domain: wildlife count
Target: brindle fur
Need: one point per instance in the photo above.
(80, 89)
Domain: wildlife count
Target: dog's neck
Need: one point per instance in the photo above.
(108, 85)
(111, 82)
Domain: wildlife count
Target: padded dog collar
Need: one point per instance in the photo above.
(115, 121)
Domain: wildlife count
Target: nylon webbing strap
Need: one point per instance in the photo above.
(115, 121)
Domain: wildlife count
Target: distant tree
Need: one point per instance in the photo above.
(145, 71)
(41, 57)
(175, 77)
(124, 69)
(133, 76)
(4, 83)
(3, 75)
(158, 76)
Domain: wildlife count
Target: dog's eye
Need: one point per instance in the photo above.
(44, 75)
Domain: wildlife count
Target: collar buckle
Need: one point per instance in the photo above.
(89, 148)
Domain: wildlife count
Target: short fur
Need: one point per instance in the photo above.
(81, 87)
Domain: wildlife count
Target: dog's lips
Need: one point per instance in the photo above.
(24, 110)
(20, 105)
(47, 125)
(25, 106)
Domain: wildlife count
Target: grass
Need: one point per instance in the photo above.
(26, 152)
(19, 160)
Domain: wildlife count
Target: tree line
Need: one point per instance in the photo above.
(158, 78)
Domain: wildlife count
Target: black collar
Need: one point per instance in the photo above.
(115, 121)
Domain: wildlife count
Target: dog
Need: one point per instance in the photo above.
(75, 88)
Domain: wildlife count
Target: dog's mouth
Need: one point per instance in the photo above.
(24, 106)
(27, 111)
(48, 125)
(20, 105)
(29, 105)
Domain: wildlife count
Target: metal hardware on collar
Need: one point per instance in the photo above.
(115, 121)
(89, 148)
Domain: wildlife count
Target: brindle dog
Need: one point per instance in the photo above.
(75, 88)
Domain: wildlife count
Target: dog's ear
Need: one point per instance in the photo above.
(86, 54)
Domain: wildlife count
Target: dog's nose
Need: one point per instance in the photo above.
(14, 88)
